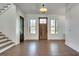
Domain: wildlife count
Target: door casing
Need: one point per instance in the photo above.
(21, 28)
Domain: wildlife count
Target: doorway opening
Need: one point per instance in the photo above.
(21, 29)
(43, 28)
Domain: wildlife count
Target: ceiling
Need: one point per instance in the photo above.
(33, 8)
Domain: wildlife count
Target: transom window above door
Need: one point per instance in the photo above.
(43, 20)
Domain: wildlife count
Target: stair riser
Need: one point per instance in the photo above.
(6, 48)
(3, 40)
(1, 37)
(5, 44)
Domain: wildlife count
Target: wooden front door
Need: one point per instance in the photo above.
(43, 28)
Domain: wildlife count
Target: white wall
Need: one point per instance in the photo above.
(72, 28)
(61, 25)
(18, 14)
(8, 23)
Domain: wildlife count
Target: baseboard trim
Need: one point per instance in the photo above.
(72, 46)
(56, 39)
(47, 39)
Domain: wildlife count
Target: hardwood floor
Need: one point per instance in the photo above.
(40, 48)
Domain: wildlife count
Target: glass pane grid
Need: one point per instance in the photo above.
(53, 26)
(42, 21)
(32, 26)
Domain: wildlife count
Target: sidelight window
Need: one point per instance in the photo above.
(32, 26)
(53, 26)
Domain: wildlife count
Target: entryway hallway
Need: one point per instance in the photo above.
(26, 31)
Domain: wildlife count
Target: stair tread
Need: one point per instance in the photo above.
(2, 35)
(6, 48)
(4, 41)
(3, 38)
(6, 45)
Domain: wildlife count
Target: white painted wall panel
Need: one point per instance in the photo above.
(72, 33)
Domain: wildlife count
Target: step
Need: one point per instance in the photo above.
(5, 43)
(3, 37)
(3, 40)
(1, 33)
(6, 48)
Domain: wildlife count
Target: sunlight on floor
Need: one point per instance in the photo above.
(32, 48)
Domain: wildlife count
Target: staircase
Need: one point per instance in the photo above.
(4, 7)
(5, 43)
